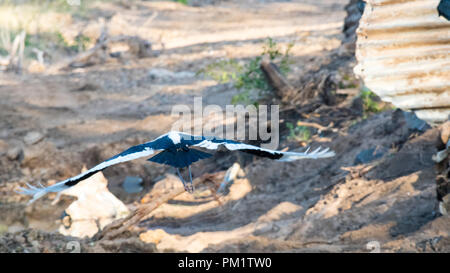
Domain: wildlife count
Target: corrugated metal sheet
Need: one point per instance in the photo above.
(403, 53)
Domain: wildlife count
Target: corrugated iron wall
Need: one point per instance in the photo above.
(403, 53)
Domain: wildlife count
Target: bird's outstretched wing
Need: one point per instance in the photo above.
(166, 141)
(132, 153)
(213, 143)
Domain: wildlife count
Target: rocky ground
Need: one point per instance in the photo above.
(377, 194)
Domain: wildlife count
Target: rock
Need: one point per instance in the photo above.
(444, 205)
(153, 236)
(15, 228)
(132, 184)
(33, 155)
(33, 137)
(414, 123)
(4, 133)
(80, 219)
(369, 155)
(86, 87)
(358, 105)
(445, 132)
(3, 147)
(230, 176)
(440, 156)
(14, 153)
(167, 75)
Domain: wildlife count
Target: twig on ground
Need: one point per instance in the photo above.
(119, 226)
(282, 87)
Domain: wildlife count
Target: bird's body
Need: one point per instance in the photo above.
(179, 157)
(178, 150)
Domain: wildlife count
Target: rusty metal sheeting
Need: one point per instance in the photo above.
(403, 53)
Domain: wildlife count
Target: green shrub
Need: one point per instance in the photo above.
(298, 133)
(223, 71)
(370, 103)
(185, 2)
(248, 77)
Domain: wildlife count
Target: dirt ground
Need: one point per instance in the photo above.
(85, 115)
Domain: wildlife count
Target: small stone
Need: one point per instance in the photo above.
(3, 147)
(153, 236)
(4, 133)
(369, 155)
(14, 153)
(15, 228)
(83, 220)
(132, 184)
(445, 132)
(358, 105)
(20, 239)
(414, 123)
(167, 75)
(33, 138)
(444, 205)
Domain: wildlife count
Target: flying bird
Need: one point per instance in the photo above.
(178, 150)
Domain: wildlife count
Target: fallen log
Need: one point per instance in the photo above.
(277, 81)
(101, 52)
(120, 226)
(103, 49)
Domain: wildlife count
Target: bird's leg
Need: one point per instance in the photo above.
(190, 176)
(186, 187)
(181, 178)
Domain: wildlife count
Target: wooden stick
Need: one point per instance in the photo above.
(311, 124)
(282, 87)
(317, 126)
(121, 225)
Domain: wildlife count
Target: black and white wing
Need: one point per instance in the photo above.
(213, 143)
(138, 151)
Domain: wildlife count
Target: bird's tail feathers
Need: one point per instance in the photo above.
(317, 153)
(38, 192)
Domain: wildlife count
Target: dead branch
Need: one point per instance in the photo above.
(359, 170)
(314, 125)
(348, 91)
(14, 60)
(283, 89)
(139, 47)
(102, 51)
(119, 226)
